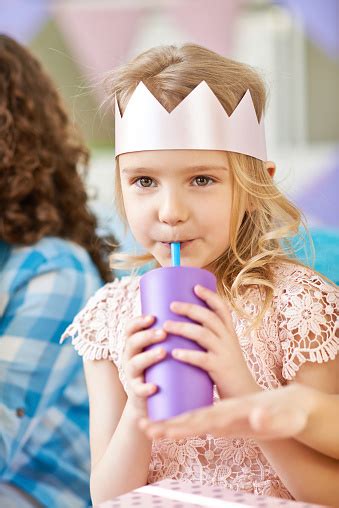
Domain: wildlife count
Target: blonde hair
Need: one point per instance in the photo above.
(262, 218)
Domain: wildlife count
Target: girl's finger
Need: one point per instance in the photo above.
(194, 332)
(140, 340)
(196, 358)
(159, 429)
(215, 420)
(142, 361)
(201, 315)
(215, 303)
(141, 389)
(137, 324)
(196, 422)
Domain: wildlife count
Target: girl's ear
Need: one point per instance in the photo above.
(270, 167)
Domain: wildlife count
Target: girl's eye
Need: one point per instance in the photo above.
(203, 181)
(144, 181)
(147, 182)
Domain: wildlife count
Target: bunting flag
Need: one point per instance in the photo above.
(209, 24)
(100, 38)
(320, 19)
(23, 19)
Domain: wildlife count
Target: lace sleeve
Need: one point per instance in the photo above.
(91, 329)
(309, 321)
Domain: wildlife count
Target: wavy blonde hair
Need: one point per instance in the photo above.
(263, 220)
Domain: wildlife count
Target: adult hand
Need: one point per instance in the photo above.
(272, 414)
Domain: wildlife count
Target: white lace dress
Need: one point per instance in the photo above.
(301, 326)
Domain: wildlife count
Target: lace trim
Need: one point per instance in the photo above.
(308, 316)
(97, 331)
(86, 340)
(86, 348)
(323, 353)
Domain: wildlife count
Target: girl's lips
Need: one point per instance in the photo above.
(182, 244)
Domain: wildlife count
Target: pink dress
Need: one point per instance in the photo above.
(300, 326)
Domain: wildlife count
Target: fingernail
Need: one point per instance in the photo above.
(148, 318)
(166, 327)
(159, 333)
(159, 352)
(176, 353)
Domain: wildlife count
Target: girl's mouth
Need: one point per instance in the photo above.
(182, 244)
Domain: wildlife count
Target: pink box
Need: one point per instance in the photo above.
(175, 494)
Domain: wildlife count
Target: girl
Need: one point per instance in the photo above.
(272, 321)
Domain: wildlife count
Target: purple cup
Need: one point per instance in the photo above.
(181, 387)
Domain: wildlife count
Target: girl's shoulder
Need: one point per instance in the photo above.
(305, 306)
(100, 324)
(293, 284)
(296, 280)
(300, 325)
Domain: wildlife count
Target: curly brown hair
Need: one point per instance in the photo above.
(41, 191)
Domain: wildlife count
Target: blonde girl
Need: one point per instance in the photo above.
(272, 321)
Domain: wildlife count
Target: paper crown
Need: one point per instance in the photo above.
(199, 122)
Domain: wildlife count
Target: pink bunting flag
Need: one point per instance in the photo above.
(100, 37)
(210, 24)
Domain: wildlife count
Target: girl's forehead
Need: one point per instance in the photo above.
(176, 159)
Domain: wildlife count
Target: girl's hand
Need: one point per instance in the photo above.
(273, 414)
(223, 359)
(136, 360)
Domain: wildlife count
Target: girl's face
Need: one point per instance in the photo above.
(178, 196)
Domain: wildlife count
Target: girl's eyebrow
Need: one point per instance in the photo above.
(188, 169)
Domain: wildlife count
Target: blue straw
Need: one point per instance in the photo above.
(175, 252)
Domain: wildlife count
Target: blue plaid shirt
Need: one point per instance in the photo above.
(44, 444)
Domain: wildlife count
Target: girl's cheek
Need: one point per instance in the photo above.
(140, 231)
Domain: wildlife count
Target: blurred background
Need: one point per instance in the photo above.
(293, 43)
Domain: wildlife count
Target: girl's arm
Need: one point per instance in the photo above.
(120, 451)
(321, 431)
(308, 474)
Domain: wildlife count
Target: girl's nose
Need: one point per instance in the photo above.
(172, 209)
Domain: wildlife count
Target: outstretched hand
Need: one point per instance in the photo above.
(273, 414)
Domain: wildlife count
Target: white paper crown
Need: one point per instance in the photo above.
(199, 122)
